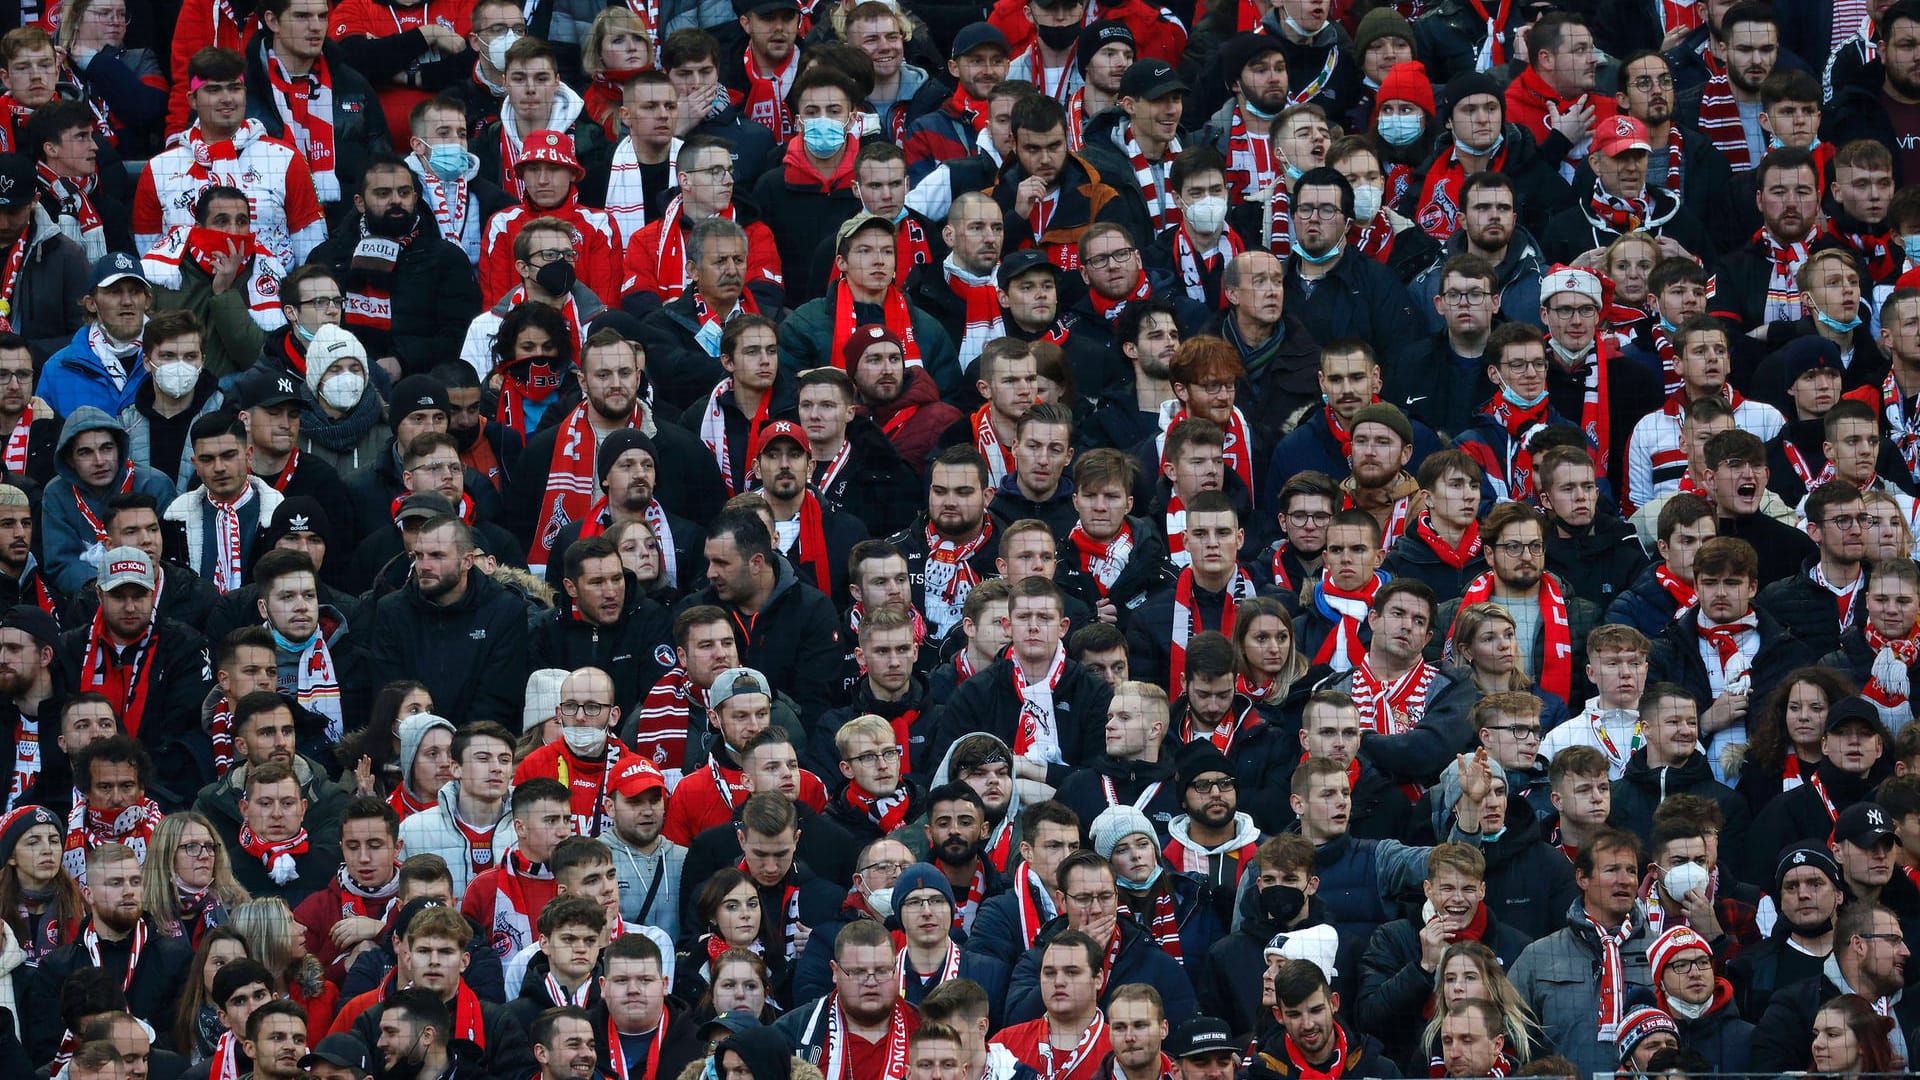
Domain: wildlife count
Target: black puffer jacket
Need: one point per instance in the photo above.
(472, 654)
(153, 990)
(1599, 562)
(637, 650)
(988, 702)
(794, 640)
(432, 288)
(1642, 788)
(1806, 605)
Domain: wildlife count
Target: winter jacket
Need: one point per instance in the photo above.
(1083, 196)
(1358, 297)
(140, 421)
(935, 137)
(1858, 111)
(1641, 790)
(637, 650)
(433, 831)
(74, 378)
(1557, 976)
(1645, 605)
(505, 1056)
(794, 639)
(1529, 882)
(354, 444)
(45, 305)
(359, 123)
(679, 368)
(1149, 629)
(68, 542)
(1574, 231)
(914, 421)
(152, 990)
(807, 335)
(1597, 563)
(1084, 791)
(1312, 446)
(874, 485)
(1676, 657)
(1421, 753)
(823, 759)
(472, 653)
(1395, 990)
(1783, 1036)
(1263, 750)
(195, 515)
(1518, 272)
(1806, 606)
(1801, 814)
(987, 702)
(1139, 960)
(433, 294)
(326, 801)
(1536, 180)
(1412, 556)
(804, 210)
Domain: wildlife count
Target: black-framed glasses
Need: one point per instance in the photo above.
(1102, 261)
(322, 302)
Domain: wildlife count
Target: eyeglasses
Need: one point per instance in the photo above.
(1881, 937)
(1209, 787)
(1647, 82)
(715, 172)
(1578, 311)
(322, 302)
(1087, 901)
(198, 849)
(883, 867)
(1513, 549)
(1301, 517)
(866, 975)
(922, 903)
(1471, 296)
(22, 376)
(1846, 522)
(542, 258)
(1688, 967)
(1101, 262)
(1523, 732)
(436, 468)
(872, 758)
(1518, 366)
(496, 29)
(1318, 210)
(590, 709)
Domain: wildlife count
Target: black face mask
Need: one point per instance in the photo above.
(1058, 38)
(556, 278)
(393, 224)
(1282, 903)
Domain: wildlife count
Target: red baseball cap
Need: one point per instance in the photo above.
(635, 776)
(781, 429)
(552, 147)
(1619, 134)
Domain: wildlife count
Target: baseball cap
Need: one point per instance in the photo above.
(125, 566)
(422, 505)
(736, 681)
(855, 224)
(734, 1021)
(1854, 707)
(1565, 279)
(1151, 80)
(636, 776)
(342, 1049)
(33, 622)
(1024, 261)
(1201, 1035)
(974, 35)
(17, 181)
(1621, 134)
(764, 7)
(1866, 824)
(781, 429)
(119, 266)
(258, 387)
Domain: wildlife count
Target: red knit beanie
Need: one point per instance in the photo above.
(1406, 82)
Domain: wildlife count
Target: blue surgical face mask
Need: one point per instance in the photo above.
(1331, 254)
(900, 215)
(282, 641)
(448, 161)
(824, 135)
(1499, 141)
(1836, 325)
(1519, 402)
(1402, 129)
(1488, 838)
(1293, 174)
(1142, 886)
(1911, 245)
(302, 332)
(1667, 326)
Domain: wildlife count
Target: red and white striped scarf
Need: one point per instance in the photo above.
(74, 198)
(986, 440)
(981, 299)
(1250, 162)
(1186, 619)
(1720, 123)
(1037, 707)
(1903, 427)
(1613, 975)
(664, 716)
(1556, 647)
(16, 452)
(765, 102)
(306, 106)
(227, 568)
(1391, 709)
(713, 431)
(1347, 611)
(1676, 163)
(836, 1051)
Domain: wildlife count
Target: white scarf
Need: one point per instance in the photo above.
(626, 196)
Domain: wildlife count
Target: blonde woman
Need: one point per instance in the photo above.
(1485, 642)
(617, 48)
(1469, 969)
(1270, 666)
(276, 941)
(124, 88)
(196, 890)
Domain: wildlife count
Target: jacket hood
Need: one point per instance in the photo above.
(764, 1051)
(84, 419)
(944, 773)
(567, 106)
(1244, 832)
(412, 731)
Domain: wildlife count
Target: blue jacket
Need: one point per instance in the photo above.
(74, 377)
(69, 545)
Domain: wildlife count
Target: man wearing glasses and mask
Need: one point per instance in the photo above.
(587, 755)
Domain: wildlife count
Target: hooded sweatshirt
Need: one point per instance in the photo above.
(413, 731)
(68, 540)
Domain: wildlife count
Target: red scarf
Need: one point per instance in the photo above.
(1556, 664)
(1520, 426)
(1596, 414)
(1250, 163)
(813, 543)
(887, 812)
(74, 198)
(836, 1050)
(465, 508)
(1617, 215)
(713, 430)
(1335, 1071)
(1395, 709)
(664, 716)
(570, 479)
(1784, 300)
(617, 1055)
(1111, 310)
(1438, 210)
(16, 260)
(1164, 927)
(1676, 158)
(766, 98)
(986, 440)
(1186, 619)
(1238, 451)
(1493, 50)
(1725, 637)
(1882, 253)
(406, 804)
(307, 105)
(521, 381)
(270, 852)
(984, 319)
(1720, 122)
(88, 828)
(1340, 433)
(670, 259)
(1347, 611)
(1613, 977)
(957, 555)
(1903, 429)
(1028, 908)
(1375, 240)
(1682, 593)
(126, 683)
(1161, 208)
(1103, 560)
(1456, 557)
(1031, 721)
(894, 313)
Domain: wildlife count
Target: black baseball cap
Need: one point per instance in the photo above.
(974, 35)
(1865, 824)
(1852, 708)
(18, 181)
(258, 388)
(1021, 262)
(1201, 1035)
(1151, 80)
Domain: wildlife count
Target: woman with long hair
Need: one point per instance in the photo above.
(196, 1022)
(196, 891)
(1468, 969)
(1485, 643)
(728, 910)
(1628, 263)
(640, 553)
(42, 905)
(617, 48)
(373, 752)
(266, 924)
(1783, 745)
(1271, 669)
(1850, 1039)
(1889, 532)
(124, 89)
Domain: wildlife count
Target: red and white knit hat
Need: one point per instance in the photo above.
(1670, 945)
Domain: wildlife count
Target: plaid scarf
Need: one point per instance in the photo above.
(1186, 619)
(1556, 630)
(1720, 123)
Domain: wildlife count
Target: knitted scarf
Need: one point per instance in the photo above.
(1250, 163)
(670, 250)
(88, 828)
(1784, 302)
(1903, 425)
(886, 812)
(1556, 647)
(713, 431)
(1158, 196)
(1521, 425)
(317, 681)
(664, 715)
(1681, 592)
(1347, 611)
(980, 300)
(1196, 269)
(1103, 560)
(1618, 215)
(1438, 209)
(949, 574)
(276, 856)
(357, 899)
(893, 311)
(73, 199)
(1186, 619)
(765, 102)
(1720, 123)
(1596, 412)
(1607, 943)
(1883, 254)
(986, 440)
(1456, 557)
(124, 675)
(1391, 709)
